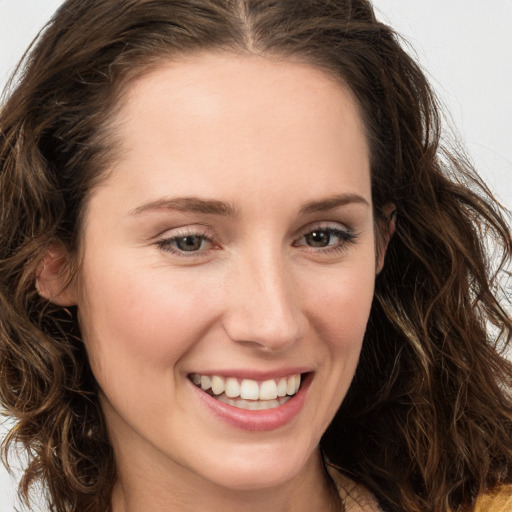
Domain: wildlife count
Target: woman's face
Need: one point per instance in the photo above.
(232, 244)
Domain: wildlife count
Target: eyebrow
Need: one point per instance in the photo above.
(330, 203)
(188, 204)
(215, 207)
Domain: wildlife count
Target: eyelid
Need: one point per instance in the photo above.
(165, 240)
(348, 235)
(184, 230)
(325, 225)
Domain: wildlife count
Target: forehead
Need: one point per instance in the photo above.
(221, 116)
(219, 83)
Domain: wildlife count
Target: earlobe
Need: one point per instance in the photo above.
(53, 277)
(387, 228)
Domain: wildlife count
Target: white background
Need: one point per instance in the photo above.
(465, 46)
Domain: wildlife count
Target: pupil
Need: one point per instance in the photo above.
(318, 238)
(189, 243)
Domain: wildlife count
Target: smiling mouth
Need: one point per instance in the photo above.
(247, 393)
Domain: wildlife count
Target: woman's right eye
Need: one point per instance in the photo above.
(185, 245)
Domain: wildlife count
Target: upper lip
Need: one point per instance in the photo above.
(257, 375)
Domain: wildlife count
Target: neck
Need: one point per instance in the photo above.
(309, 490)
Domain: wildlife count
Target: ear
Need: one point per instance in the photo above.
(54, 278)
(386, 228)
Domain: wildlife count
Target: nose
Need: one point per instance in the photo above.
(263, 308)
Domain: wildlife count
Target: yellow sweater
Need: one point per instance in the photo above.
(358, 499)
(497, 501)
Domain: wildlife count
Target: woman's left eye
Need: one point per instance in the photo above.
(189, 243)
(320, 238)
(326, 238)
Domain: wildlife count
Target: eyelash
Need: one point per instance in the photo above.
(166, 243)
(346, 236)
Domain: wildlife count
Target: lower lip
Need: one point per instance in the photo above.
(269, 419)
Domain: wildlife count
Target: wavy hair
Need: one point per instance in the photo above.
(427, 422)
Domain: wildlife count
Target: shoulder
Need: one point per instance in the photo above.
(356, 497)
(499, 500)
(359, 499)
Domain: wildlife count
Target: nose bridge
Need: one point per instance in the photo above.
(263, 309)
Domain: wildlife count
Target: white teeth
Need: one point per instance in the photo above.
(217, 385)
(253, 405)
(249, 390)
(297, 382)
(205, 382)
(290, 388)
(293, 385)
(266, 392)
(281, 387)
(232, 388)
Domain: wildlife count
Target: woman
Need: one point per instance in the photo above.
(238, 271)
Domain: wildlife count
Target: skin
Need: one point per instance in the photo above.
(266, 138)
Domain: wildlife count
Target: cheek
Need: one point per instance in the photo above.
(338, 310)
(341, 306)
(137, 321)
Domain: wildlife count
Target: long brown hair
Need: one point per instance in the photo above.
(427, 423)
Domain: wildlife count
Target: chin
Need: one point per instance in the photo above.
(262, 469)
